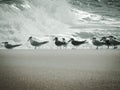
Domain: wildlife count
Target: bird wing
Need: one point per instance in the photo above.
(59, 43)
(98, 43)
(115, 42)
(43, 42)
(10, 46)
(80, 42)
(35, 43)
(17, 45)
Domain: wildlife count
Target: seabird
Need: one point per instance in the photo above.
(76, 43)
(107, 42)
(64, 42)
(114, 41)
(10, 46)
(59, 43)
(97, 42)
(113, 37)
(36, 43)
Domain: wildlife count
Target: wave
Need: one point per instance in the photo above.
(20, 19)
(32, 17)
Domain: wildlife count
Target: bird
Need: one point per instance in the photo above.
(58, 43)
(36, 43)
(113, 37)
(97, 42)
(64, 42)
(10, 46)
(114, 41)
(76, 43)
(106, 40)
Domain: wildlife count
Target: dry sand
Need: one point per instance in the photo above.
(59, 69)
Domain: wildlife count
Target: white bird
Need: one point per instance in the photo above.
(36, 43)
(97, 42)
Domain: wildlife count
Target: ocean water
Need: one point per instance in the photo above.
(46, 19)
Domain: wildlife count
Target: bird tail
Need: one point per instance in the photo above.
(85, 41)
(119, 43)
(45, 42)
(17, 45)
(103, 43)
(65, 44)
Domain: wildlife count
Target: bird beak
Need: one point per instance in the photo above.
(101, 39)
(69, 40)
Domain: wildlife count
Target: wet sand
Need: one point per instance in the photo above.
(59, 69)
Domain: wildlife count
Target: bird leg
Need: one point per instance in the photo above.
(76, 47)
(115, 47)
(65, 47)
(35, 47)
(97, 47)
(60, 47)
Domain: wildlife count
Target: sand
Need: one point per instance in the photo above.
(59, 69)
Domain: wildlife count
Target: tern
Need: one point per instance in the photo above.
(114, 41)
(10, 46)
(58, 43)
(36, 43)
(97, 42)
(107, 42)
(64, 42)
(76, 43)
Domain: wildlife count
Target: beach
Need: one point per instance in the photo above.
(59, 69)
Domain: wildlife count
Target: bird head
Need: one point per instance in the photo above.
(30, 38)
(103, 38)
(72, 39)
(55, 39)
(112, 37)
(5, 42)
(93, 38)
(63, 39)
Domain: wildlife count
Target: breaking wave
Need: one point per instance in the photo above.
(20, 19)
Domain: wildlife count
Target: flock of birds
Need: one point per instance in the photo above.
(106, 40)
